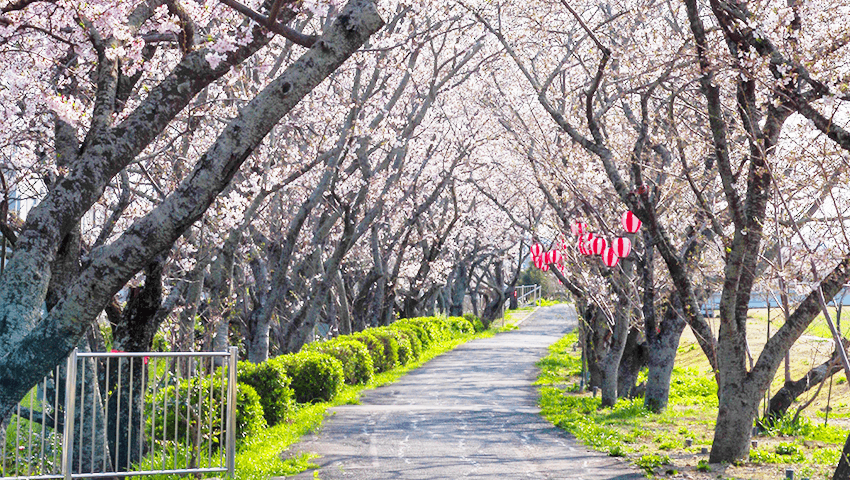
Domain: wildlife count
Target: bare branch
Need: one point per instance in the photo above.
(306, 41)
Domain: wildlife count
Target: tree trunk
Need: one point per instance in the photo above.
(344, 308)
(188, 317)
(610, 364)
(842, 472)
(609, 371)
(512, 300)
(662, 355)
(94, 454)
(733, 430)
(258, 349)
(594, 340)
(632, 362)
(134, 333)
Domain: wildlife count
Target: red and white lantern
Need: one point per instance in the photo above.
(545, 267)
(538, 262)
(610, 258)
(630, 222)
(599, 245)
(622, 247)
(576, 228)
(555, 256)
(536, 250)
(587, 236)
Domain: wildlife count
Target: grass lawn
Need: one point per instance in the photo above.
(670, 445)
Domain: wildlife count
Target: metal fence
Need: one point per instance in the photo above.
(528, 294)
(119, 414)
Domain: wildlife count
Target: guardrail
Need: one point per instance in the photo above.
(120, 414)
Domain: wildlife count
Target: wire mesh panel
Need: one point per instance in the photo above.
(120, 414)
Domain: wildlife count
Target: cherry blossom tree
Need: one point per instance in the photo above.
(620, 117)
(119, 126)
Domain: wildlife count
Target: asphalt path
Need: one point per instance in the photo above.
(470, 413)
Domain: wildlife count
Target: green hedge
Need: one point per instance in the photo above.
(460, 326)
(273, 386)
(390, 344)
(316, 377)
(380, 361)
(423, 336)
(162, 414)
(405, 350)
(412, 333)
(357, 364)
(437, 329)
(475, 321)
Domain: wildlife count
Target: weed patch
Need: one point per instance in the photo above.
(650, 462)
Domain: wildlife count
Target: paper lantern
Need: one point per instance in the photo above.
(599, 245)
(536, 250)
(630, 222)
(610, 258)
(545, 267)
(576, 228)
(538, 262)
(555, 257)
(622, 247)
(586, 236)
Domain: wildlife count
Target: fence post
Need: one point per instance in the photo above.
(70, 398)
(231, 414)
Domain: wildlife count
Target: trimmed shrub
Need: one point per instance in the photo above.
(479, 325)
(316, 377)
(357, 365)
(412, 337)
(436, 328)
(273, 387)
(380, 362)
(405, 350)
(197, 400)
(475, 321)
(424, 339)
(460, 326)
(390, 345)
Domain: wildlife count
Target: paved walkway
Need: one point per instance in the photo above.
(471, 413)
